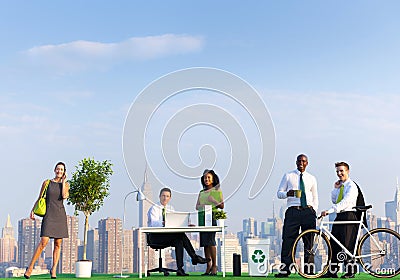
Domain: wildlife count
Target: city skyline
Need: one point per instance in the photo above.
(390, 206)
(108, 238)
(325, 75)
(393, 209)
(113, 248)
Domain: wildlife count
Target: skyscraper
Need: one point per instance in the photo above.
(69, 248)
(232, 246)
(245, 227)
(110, 249)
(28, 239)
(371, 220)
(249, 231)
(128, 251)
(268, 228)
(92, 248)
(144, 207)
(381, 222)
(8, 244)
(392, 208)
(250, 227)
(48, 254)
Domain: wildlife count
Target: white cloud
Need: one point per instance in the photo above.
(79, 55)
(329, 113)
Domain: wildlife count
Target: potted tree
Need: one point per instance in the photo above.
(89, 186)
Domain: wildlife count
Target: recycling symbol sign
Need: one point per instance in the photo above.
(258, 256)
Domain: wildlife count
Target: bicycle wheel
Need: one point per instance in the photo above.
(379, 252)
(311, 253)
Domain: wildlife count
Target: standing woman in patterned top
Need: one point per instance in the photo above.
(54, 223)
(211, 194)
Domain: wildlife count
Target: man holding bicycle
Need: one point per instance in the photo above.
(300, 189)
(344, 198)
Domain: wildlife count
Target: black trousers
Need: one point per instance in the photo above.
(178, 240)
(295, 219)
(347, 235)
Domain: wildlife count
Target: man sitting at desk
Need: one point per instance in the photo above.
(156, 218)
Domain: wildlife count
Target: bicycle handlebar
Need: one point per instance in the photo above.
(359, 208)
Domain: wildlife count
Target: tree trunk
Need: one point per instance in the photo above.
(85, 236)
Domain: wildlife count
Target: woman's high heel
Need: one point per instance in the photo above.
(26, 276)
(52, 277)
(214, 273)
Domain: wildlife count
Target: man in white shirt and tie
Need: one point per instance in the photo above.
(156, 218)
(301, 211)
(344, 198)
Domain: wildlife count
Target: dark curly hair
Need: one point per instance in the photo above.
(215, 178)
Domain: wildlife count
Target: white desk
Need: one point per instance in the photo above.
(178, 229)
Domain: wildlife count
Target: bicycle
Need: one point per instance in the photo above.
(378, 250)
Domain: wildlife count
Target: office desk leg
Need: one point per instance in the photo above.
(223, 253)
(146, 260)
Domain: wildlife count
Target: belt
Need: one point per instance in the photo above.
(347, 211)
(301, 208)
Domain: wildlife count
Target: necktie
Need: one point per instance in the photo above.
(340, 196)
(163, 216)
(303, 199)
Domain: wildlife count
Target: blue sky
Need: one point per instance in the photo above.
(326, 70)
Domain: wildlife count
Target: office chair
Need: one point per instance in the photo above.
(160, 268)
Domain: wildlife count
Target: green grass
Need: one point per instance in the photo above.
(361, 276)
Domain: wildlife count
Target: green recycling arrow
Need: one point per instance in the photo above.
(258, 256)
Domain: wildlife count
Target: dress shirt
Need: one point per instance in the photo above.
(291, 181)
(155, 217)
(350, 193)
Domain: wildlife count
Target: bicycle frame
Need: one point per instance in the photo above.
(361, 226)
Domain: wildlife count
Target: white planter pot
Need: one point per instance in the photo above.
(83, 269)
(221, 222)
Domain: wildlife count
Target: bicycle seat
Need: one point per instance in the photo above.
(362, 208)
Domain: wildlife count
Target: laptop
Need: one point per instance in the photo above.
(177, 219)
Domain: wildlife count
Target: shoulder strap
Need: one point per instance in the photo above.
(361, 202)
(45, 188)
(360, 197)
